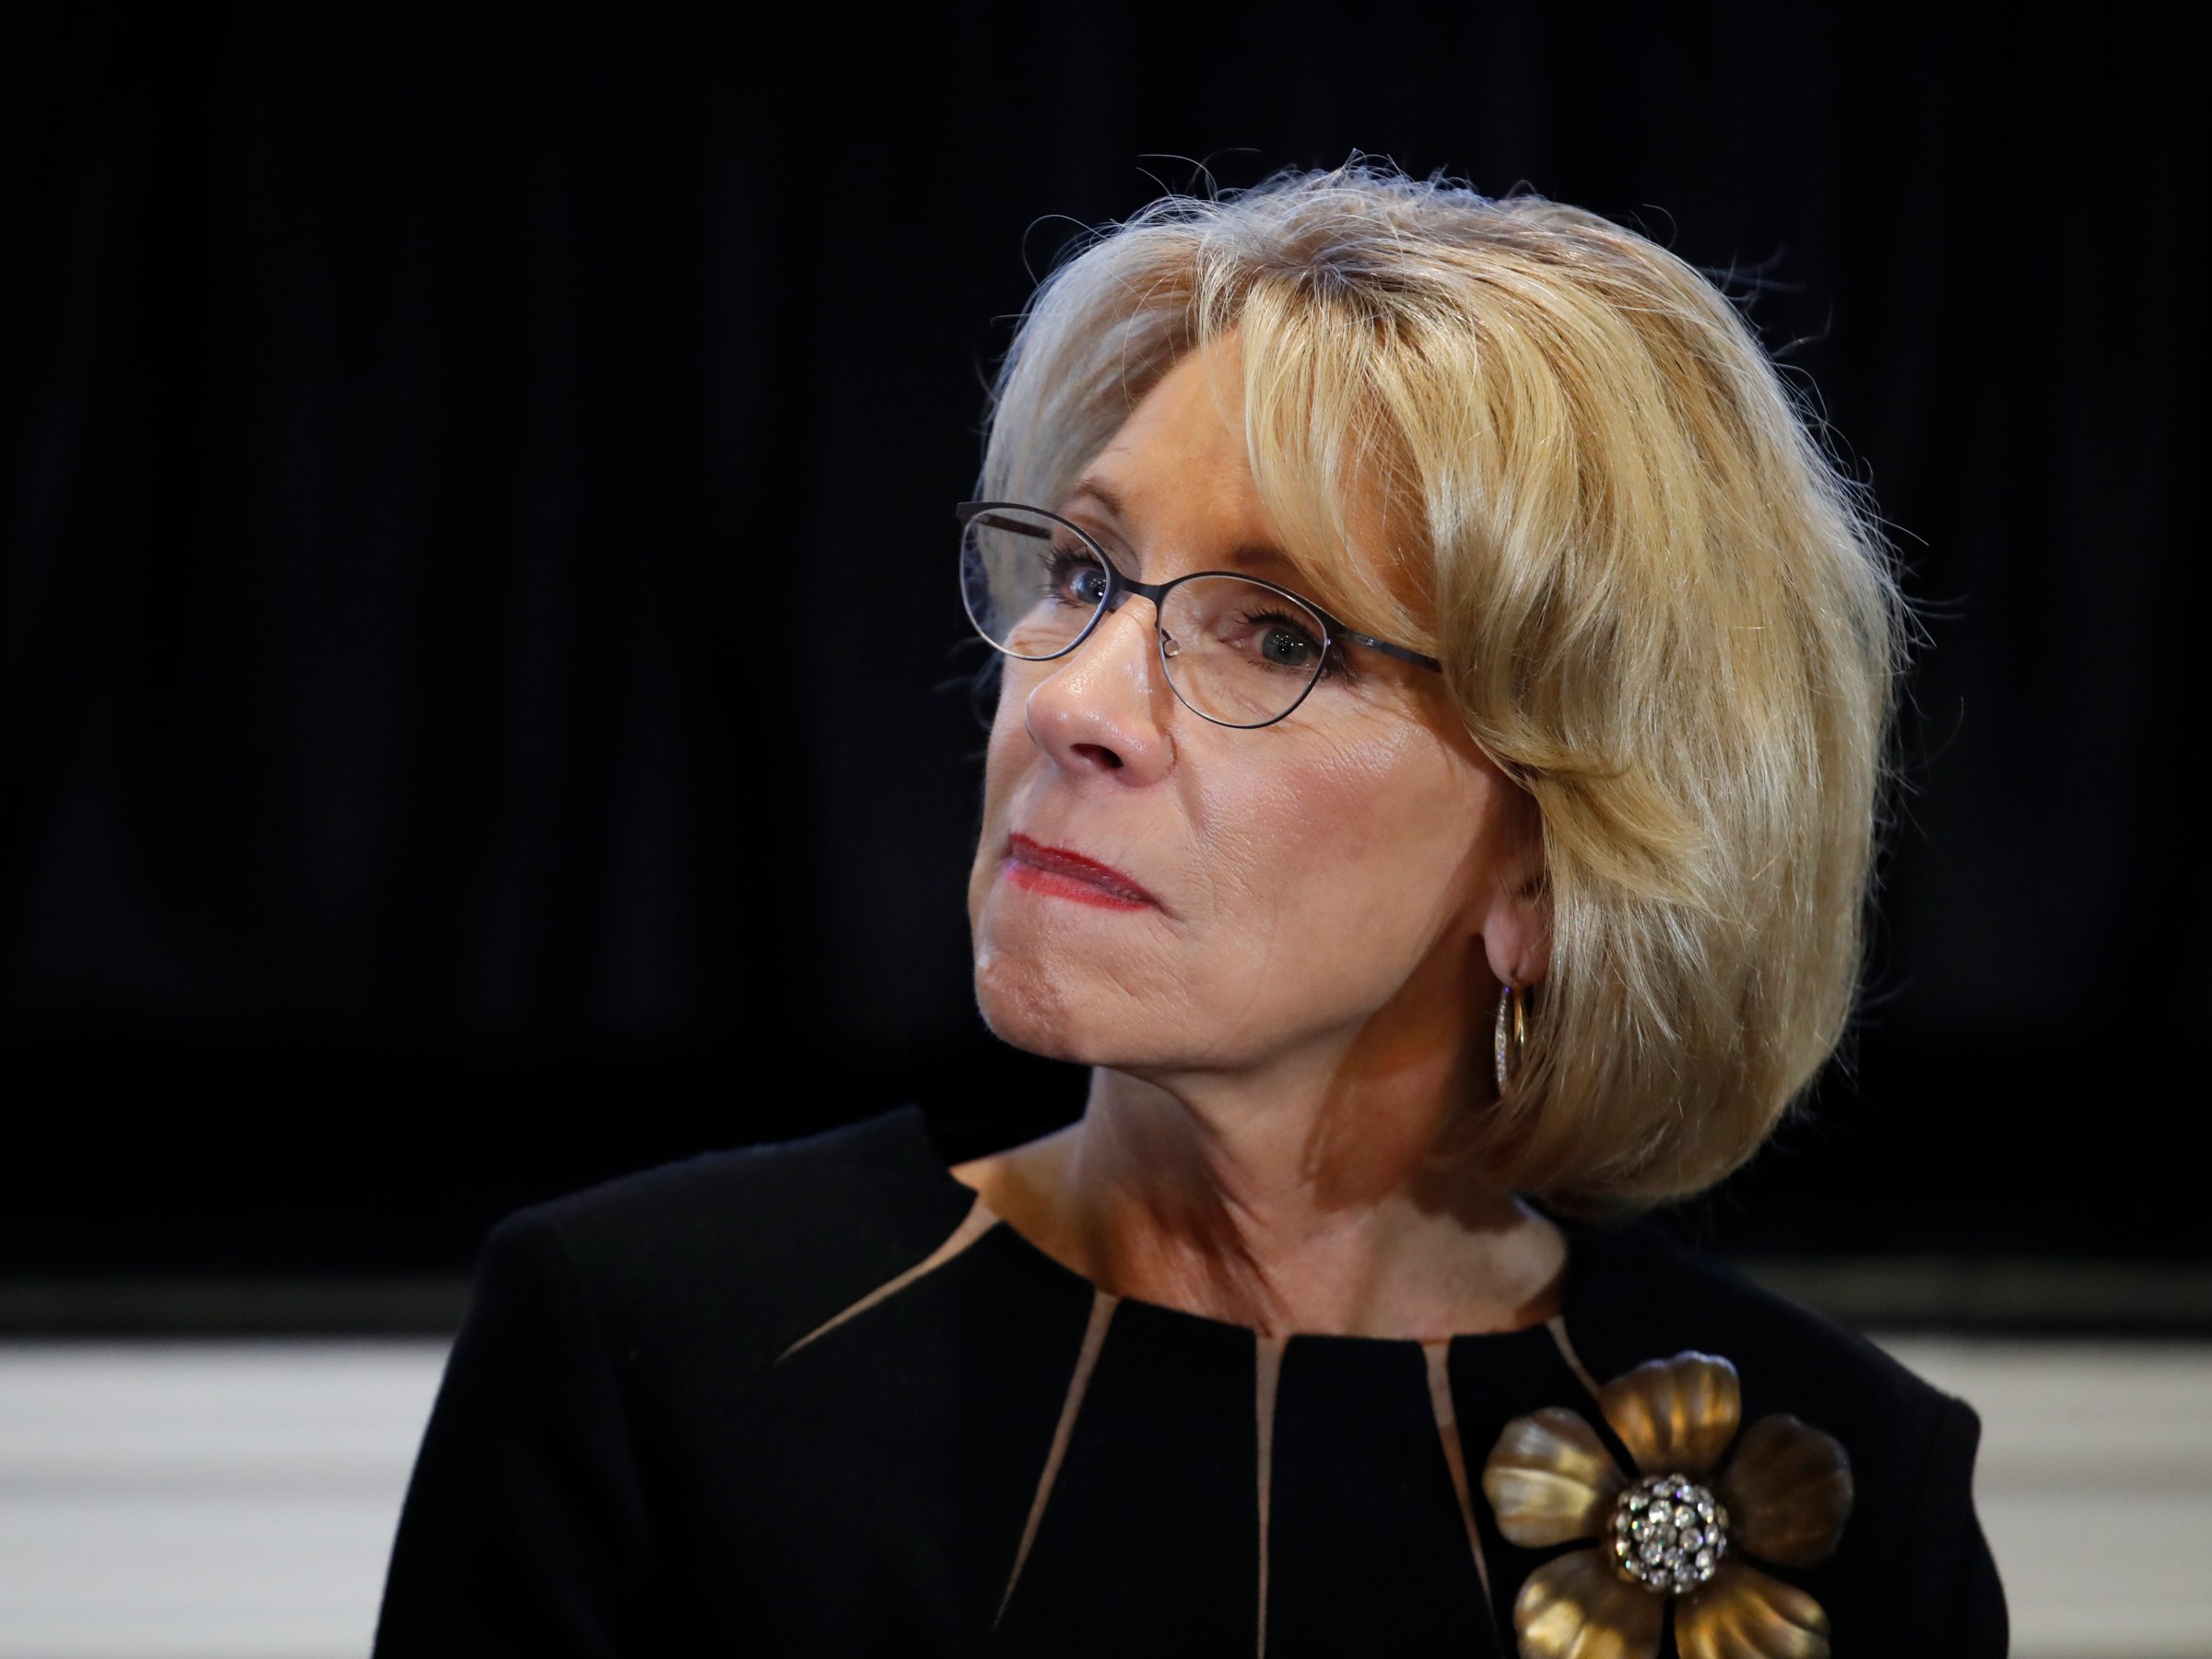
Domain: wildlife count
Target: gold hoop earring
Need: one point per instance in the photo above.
(1512, 1032)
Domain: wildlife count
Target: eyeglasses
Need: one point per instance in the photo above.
(1236, 650)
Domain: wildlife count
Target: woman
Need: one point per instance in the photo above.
(1432, 789)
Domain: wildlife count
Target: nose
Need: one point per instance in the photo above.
(1105, 709)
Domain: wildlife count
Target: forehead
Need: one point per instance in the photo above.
(1178, 470)
(1190, 426)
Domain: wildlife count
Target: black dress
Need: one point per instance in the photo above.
(810, 1399)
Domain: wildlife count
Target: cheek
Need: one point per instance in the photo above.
(1007, 759)
(1347, 864)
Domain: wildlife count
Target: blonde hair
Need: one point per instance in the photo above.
(1659, 607)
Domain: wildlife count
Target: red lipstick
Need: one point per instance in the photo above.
(1067, 875)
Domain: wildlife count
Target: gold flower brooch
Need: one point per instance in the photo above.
(1673, 1536)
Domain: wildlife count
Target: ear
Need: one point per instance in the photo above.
(1514, 914)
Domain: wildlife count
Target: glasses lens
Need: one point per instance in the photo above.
(1239, 653)
(1030, 583)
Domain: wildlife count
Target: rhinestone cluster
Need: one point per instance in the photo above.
(1668, 1533)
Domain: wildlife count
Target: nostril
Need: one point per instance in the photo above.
(1098, 753)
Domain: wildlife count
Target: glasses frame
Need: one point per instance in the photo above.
(1118, 586)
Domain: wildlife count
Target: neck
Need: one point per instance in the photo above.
(1301, 1198)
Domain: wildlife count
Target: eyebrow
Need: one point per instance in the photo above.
(1257, 553)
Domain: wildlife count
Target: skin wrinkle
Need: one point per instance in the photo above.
(1275, 1046)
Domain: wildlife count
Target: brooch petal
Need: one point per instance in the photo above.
(1743, 1614)
(1577, 1608)
(1674, 1415)
(1551, 1479)
(1789, 1488)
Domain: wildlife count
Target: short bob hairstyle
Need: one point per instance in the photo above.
(1660, 608)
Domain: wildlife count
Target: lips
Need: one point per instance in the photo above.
(1072, 875)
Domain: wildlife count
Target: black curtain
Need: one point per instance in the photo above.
(479, 666)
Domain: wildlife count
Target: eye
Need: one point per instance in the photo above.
(1075, 577)
(1292, 647)
(1283, 641)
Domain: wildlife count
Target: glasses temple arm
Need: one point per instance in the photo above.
(1404, 653)
(968, 511)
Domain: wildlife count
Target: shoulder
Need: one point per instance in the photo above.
(888, 1158)
(1648, 1296)
(740, 1252)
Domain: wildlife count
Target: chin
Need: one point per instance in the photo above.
(1051, 1015)
(1024, 1008)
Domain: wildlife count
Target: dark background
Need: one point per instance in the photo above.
(477, 635)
